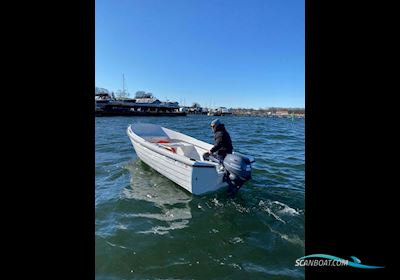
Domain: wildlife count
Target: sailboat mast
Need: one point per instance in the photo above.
(123, 83)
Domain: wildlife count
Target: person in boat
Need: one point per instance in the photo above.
(223, 143)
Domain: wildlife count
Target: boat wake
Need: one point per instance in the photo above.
(170, 204)
(278, 209)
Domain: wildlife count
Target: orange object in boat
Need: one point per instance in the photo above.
(168, 148)
(172, 149)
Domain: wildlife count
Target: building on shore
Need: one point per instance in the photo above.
(108, 106)
(224, 111)
(195, 110)
(282, 113)
(220, 111)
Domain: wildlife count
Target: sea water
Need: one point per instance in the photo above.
(147, 227)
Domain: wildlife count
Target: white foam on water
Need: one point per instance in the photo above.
(157, 190)
(291, 239)
(286, 209)
(120, 226)
(294, 240)
(265, 208)
(160, 230)
(180, 263)
(120, 246)
(236, 240)
(236, 266)
(169, 215)
(240, 208)
(111, 244)
(214, 259)
(216, 202)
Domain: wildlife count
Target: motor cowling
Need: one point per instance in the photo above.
(237, 170)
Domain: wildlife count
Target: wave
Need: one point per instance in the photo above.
(275, 272)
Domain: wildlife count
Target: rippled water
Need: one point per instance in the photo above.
(147, 227)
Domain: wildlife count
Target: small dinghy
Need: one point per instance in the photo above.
(185, 160)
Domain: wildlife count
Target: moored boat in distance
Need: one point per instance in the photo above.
(220, 111)
(107, 106)
(225, 111)
(183, 159)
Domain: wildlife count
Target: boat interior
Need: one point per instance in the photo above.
(170, 141)
(180, 147)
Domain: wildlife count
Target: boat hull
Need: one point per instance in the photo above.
(197, 180)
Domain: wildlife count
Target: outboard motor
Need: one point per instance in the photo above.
(237, 171)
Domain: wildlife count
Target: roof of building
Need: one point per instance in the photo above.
(147, 100)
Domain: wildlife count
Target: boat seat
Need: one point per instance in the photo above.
(189, 151)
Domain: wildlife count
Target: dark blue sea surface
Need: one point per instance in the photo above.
(147, 227)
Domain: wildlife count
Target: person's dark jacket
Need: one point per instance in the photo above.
(223, 143)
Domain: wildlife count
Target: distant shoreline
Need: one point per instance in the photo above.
(271, 112)
(250, 115)
(146, 104)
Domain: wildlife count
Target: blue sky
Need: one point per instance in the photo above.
(232, 53)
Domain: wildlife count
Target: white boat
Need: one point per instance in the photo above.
(179, 157)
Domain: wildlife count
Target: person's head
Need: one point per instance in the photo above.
(215, 123)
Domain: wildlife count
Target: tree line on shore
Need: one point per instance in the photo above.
(272, 110)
